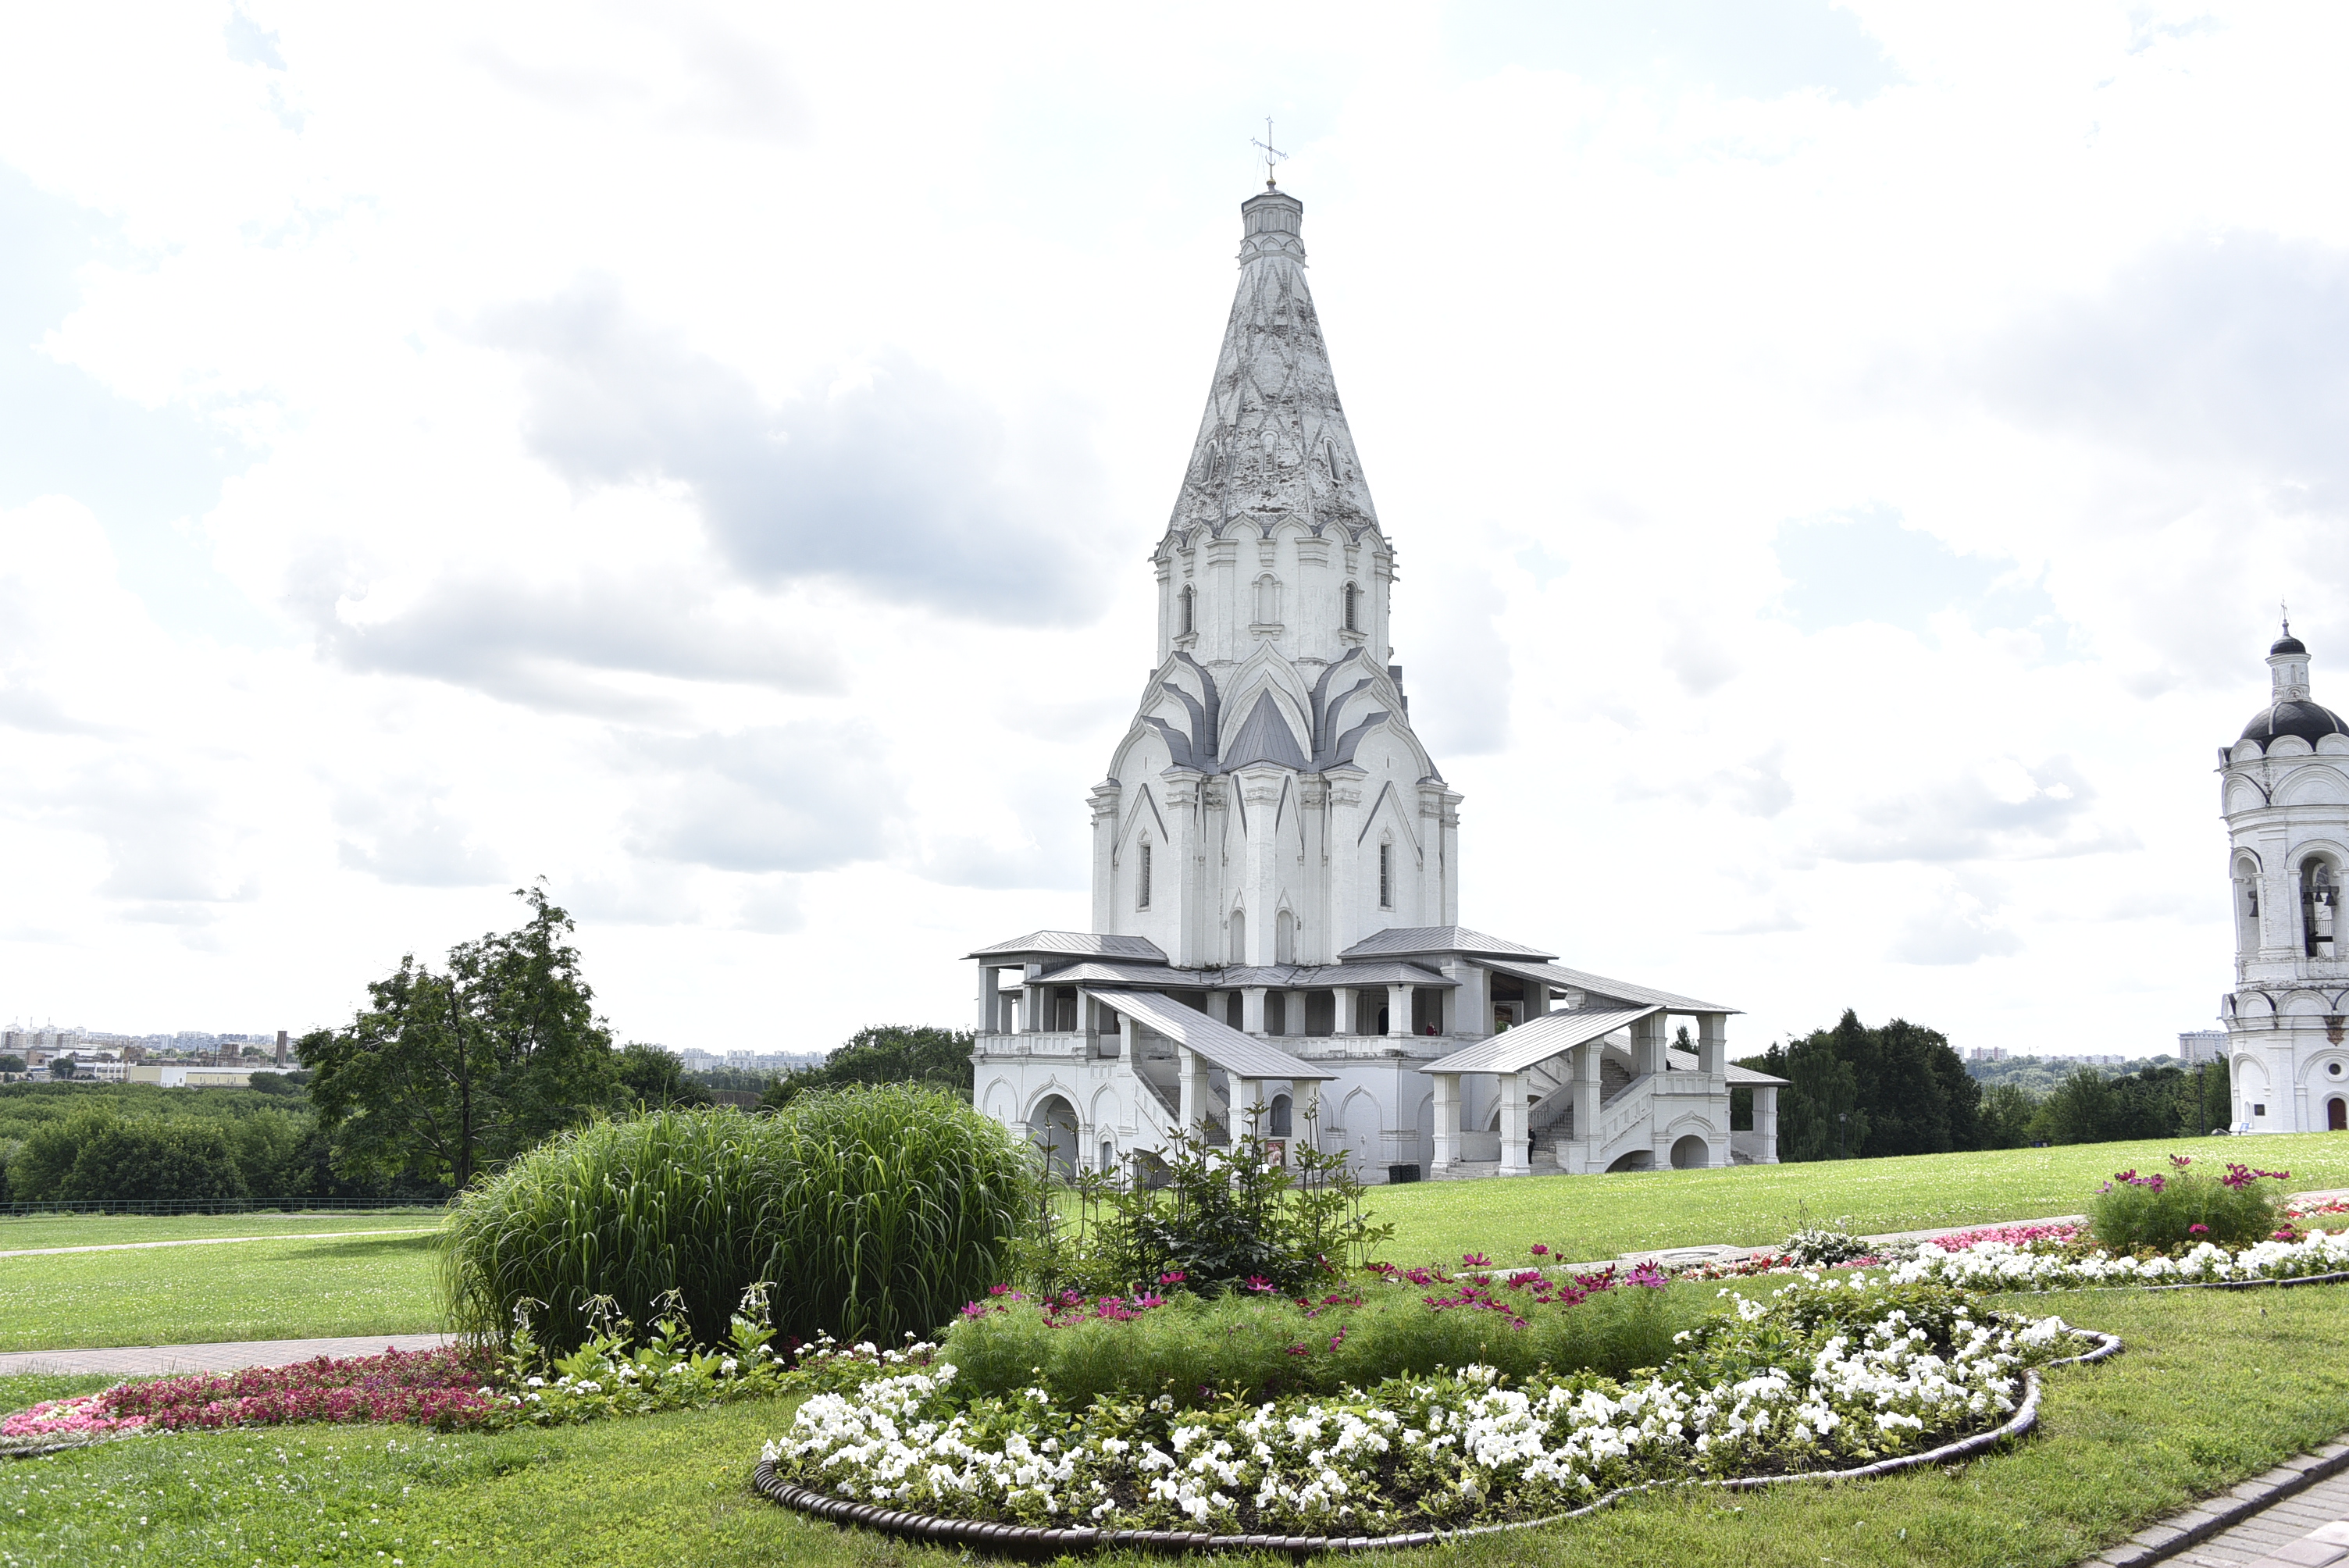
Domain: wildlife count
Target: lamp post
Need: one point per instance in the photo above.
(1841, 1117)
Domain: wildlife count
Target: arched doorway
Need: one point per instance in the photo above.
(1052, 1127)
(1637, 1159)
(1691, 1153)
(2336, 1115)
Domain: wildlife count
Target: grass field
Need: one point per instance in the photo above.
(290, 1288)
(19, 1232)
(277, 1289)
(2214, 1386)
(1756, 1205)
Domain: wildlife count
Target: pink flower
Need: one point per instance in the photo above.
(1540, 1251)
(1476, 1259)
(1177, 1277)
(2197, 1230)
(1259, 1285)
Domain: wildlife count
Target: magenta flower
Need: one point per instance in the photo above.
(2197, 1230)
(1476, 1259)
(1540, 1251)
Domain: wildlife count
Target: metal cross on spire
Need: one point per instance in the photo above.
(1272, 154)
(2284, 609)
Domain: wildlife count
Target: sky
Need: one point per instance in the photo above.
(1844, 460)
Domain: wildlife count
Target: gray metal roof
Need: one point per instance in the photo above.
(1599, 985)
(1077, 944)
(1405, 940)
(1241, 1055)
(1094, 972)
(1277, 976)
(1538, 1041)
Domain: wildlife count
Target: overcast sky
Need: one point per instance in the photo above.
(1844, 461)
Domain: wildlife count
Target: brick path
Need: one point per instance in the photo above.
(146, 1360)
(2279, 1520)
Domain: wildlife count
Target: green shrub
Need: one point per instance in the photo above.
(1256, 1348)
(95, 1156)
(2172, 1211)
(1218, 1219)
(871, 1213)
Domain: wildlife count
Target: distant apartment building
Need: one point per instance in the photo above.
(2197, 1045)
(189, 1075)
(1986, 1053)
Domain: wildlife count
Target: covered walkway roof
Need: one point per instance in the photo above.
(1538, 1041)
(1242, 1056)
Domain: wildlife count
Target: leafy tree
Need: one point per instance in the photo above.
(2006, 1119)
(12, 1064)
(95, 1156)
(1858, 1091)
(1819, 1115)
(888, 1053)
(2081, 1109)
(652, 1077)
(446, 1073)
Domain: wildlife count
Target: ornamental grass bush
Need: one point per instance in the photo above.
(869, 1213)
(1253, 1346)
(2171, 1210)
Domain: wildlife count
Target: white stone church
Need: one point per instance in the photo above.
(1276, 861)
(2284, 788)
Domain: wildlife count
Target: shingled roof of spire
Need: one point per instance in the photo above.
(1273, 442)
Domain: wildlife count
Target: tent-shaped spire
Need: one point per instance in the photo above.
(1273, 441)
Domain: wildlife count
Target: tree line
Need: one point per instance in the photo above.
(1856, 1092)
(449, 1070)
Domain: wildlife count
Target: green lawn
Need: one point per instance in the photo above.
(19, 1232)
(278, 1289)
(1583, 1217)
(2215, 1385)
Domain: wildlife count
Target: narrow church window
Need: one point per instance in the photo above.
(1386, 876)
(1239, 936)
(2317, 897)
(1142, 878)
(1284, 938)
(1347, 598)
(1190, 602)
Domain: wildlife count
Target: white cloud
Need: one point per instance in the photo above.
(1843, 459)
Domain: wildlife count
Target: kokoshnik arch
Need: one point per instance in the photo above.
(1275, 881)
(2284, 788)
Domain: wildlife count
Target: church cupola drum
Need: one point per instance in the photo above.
(1275, 937)
(2284, 788)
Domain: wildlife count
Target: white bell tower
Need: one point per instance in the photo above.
(2284, 790)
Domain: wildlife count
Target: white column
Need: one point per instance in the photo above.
(1537, 999)
(1252, 1008)
(1347, 999)
(1766, 1122)
(1515, 1160)
(1649, 1043)
(989, 1008)
(1712, 1043)
(1447, 1123)
(1586, 1101)
(1398, 1010)
(1247, 1095)
(1104, 800)
(1129, 1038)
(1470, 1007)
(1194, 1098)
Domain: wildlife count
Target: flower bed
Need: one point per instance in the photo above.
(2003, 1265)
(1822, 1375)
(440, 1388)
(2062, 1233)
(1256, 1344)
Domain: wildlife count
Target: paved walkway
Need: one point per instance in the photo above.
(149, 1360)
(217, 1241)
(2284, 1518)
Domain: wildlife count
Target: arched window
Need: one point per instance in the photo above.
(1239, 929)
(1386, 874)
(1284, 1116)
(1142, 878)
(2319, 899)
(2247, 905)
(1347, 599)
(1268, 600)
(1284, 938)
(1190, 600)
